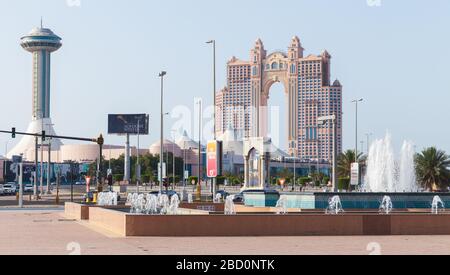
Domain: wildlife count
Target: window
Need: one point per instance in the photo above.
(293, 69)
(274, 66)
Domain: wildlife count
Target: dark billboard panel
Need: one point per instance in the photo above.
(128, 124)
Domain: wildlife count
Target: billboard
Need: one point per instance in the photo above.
(128, 124)
(214, 159)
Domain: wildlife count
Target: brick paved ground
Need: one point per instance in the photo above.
(47, 232)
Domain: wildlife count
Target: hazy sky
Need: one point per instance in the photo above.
(395, 56)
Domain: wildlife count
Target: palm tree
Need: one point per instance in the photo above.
(344, 163)
(432, 168)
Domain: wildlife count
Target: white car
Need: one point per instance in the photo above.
(28, 188)
(1, 189)
(9, 189)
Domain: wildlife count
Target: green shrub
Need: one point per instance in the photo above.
(304, 180)
(343, 183)
(192, 178)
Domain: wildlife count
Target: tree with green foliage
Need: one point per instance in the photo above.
(344, 163)
(433, 169)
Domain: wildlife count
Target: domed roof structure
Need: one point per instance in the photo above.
(168, 146)
(186, 143)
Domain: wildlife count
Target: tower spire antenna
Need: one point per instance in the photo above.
(42, 24)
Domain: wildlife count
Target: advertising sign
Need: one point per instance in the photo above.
(128, 124)
(354, 179)
(214, 159)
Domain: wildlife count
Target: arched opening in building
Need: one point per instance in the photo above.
(277, 116)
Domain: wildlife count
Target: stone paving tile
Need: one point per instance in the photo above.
(47, 232)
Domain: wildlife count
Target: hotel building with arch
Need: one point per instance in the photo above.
(243, 104)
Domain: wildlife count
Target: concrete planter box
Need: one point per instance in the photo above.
(201, 225)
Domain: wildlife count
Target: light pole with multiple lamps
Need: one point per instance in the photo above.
(322, 121)
(161, 152)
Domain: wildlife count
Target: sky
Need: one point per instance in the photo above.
(394, 54)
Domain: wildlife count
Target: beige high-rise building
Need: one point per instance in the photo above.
(243, 104)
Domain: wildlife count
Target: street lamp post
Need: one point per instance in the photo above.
(333, 120)
(161, 157)
(138, 165)
(213, 43)
(199, 185)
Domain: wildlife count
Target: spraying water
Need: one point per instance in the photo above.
(190, 198)
(174, 204)
(218, 198)
(281, 206)
(437, 203)
(384, 174)
(107, 199)
(334, 206)
(230, 208)
(386, 206)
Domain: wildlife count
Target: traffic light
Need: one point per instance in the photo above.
(13, 132)
(43, 135)
(100, 140)
(110, 180)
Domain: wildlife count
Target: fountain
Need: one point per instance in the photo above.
(386, 205)
(437, 201)
(384, 173)
(174, 204)
(230, 208)
(151, 205)
(281, 206)
(163, 203)
(334, 206)
(190, 198)
(218, 198)
(107, 199)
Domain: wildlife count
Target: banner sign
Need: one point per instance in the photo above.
(214, 159)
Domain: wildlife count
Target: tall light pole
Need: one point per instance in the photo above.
(213, 43)
(199, 185)
(173, 158)
(138, 165)
(333, 120)
(161, 152)
(356, 101)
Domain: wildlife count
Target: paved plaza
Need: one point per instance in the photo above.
(48, 232)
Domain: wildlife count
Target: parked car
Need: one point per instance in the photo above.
(1, 190)
(239, 198)
(28, 188)
(223, 193)
(9, 188)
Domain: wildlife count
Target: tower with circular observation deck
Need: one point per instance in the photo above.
(41, 43)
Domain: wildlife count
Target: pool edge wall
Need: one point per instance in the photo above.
(254, 225)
